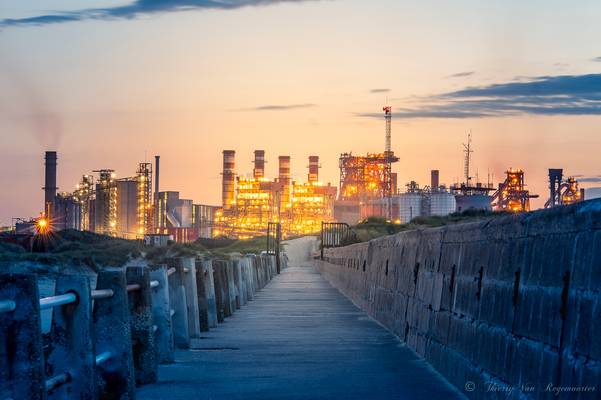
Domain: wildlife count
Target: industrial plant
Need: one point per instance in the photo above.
(249, 204)
(128, 207)
(134, 207)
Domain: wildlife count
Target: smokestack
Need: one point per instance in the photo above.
(434, 180)
(284, 177)
(50, 181)
(394, 186)
(259, 170)
(555, 181)
(313, 169)
(157, 160)
(228, 178)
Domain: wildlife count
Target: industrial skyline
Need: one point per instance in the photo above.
(119, 92)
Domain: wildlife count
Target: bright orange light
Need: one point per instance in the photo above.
(42, 225)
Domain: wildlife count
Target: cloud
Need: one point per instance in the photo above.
(596, 59)
(379, 91)
(543, 95)
(136, 9)
(279, 107)
(462, 74)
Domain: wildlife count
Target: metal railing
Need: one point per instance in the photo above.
(133, 319)
(335, 234)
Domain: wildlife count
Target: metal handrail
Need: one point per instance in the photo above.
(7, 306)
(59, 300)
(102, 293)
(133, 286)
(103, 357)
(57, 380)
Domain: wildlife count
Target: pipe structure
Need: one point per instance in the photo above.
(103, 357)
(55, 301)
(157, 160)
(284, 178)
(50, 181)
(434, 180)
(259, 169)
(228, 178)
(102, 294)
(313, 169)
(7, 306)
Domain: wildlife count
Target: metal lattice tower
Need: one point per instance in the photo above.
(468, 155)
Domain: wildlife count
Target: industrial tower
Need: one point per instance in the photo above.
(388, 154)
(468, 155)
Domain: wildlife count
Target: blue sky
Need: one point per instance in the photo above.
(116, 81)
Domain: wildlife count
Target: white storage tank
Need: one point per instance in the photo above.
(410, 206)
(442, 203)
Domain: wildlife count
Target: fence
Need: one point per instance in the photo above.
(104, 341)
(335, 234)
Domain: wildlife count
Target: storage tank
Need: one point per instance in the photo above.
(473, 202)
(442, 203)
(410, 206)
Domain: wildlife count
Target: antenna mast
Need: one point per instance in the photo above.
(468, 151)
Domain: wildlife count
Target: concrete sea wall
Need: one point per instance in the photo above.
(504, 308)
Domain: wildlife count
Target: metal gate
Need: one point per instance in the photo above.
(335, 234)
(274, 237)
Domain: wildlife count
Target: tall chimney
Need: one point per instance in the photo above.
(313, 169)
(284, 178)
(157, 160)
(50, 181)
(394, 186)
(434, 180)
(228, 178)
(259, 170)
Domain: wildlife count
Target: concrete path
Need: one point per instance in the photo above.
(299, 339)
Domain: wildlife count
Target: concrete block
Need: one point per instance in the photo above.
(161, 315)
(179, 304)
(189, 264)
(142, 325)
(111, 320)
(220, 293)
(71, 348)
(233, 289)
(22, 372)
(206, 295)
(240, 284)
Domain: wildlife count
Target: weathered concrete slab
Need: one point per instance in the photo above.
(299, 339)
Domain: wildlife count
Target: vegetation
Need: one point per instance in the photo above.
(374, 227)
(78, 248)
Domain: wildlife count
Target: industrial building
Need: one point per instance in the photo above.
(512, 194)
(203, 219)
(562, 192)
(470, 195)
(430, 200)
(249, 204)
(367, 183)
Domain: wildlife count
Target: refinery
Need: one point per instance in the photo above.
(134, 207)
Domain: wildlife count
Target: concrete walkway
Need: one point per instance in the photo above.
(299, 339)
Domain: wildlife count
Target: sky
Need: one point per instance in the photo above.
(116, 82)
